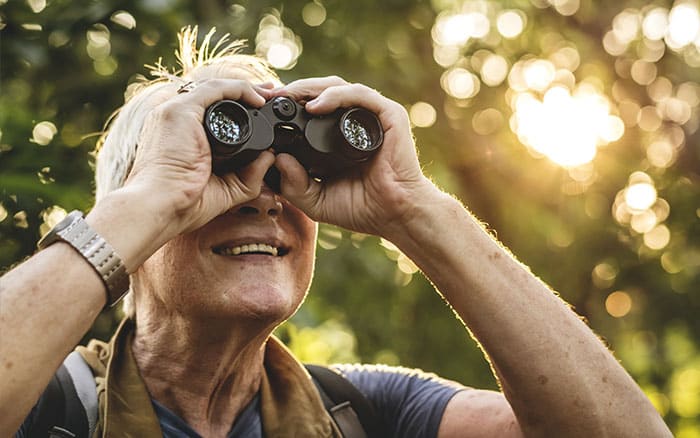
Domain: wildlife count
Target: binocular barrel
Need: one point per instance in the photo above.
(324, 145)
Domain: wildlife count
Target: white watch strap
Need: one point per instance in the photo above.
(101, 256)
(96, 251)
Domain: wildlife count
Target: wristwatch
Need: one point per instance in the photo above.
(75, 231)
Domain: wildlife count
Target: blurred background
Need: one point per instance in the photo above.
(568, 127)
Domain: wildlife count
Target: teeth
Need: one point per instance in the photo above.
(250, 248)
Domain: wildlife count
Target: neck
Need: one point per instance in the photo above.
(206, 372)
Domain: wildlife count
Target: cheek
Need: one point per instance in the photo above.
(168, 270)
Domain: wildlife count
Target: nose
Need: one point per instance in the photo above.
(268, 203)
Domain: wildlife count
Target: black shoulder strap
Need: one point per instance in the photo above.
(49, 409)
(60, 413)
(352, 411)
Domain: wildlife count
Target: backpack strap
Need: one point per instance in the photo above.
(86, 390)
(352, 412)
(68, 406)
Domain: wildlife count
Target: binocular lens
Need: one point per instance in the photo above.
(361, 129)
(228, 122)
(356, 134)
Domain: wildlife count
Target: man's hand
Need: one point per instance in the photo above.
(374, 197)
(173, 160)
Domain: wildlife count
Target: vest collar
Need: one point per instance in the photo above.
(290, 403)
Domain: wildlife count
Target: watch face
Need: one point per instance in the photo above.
(66, 221)
(53, 235)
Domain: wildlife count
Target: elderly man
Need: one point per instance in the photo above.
(216, 262)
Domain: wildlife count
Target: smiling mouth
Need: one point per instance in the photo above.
(251, 248)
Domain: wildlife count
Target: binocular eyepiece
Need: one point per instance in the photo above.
(325, 145)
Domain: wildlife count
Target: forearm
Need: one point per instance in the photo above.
(558, 377)
(50, 301)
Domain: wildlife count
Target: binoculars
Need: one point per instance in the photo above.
(325, 145)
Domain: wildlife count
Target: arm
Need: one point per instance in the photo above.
(559, 379)
(48, 302)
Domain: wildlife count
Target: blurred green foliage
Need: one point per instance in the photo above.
(65, 65)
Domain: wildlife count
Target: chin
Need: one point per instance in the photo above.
(268, 305)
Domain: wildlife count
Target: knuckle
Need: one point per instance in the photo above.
(397, 108)
(335, 79)
(361, 89)
(166, 111)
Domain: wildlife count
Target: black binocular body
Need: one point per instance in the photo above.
(325, 145)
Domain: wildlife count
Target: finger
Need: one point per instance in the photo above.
(309, 88)
(350, 95)
(300, 189)
(253, 173)
(209, 91)
(265, 90)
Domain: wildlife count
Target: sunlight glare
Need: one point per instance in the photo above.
(539, 74)
(683, 25)
(640, 196)
(451, 30)
(565, 128)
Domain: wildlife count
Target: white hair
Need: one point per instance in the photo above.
(116, 148)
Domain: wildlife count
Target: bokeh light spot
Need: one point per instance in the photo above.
(460, 83)
(123, 19)
(494, 70)
(487, 121)
(37, 5)
(43, 133)
(604, 275)
(649, 119)
(683, 25)
(643, 72)
(422, 114)
(618, 304)
(566, 7)
(510, 23)
(657, 238)
(626, 26)
(279, 55)
(277, 43)
(539, 74)
(655, 24)
(20, 219)
(313, 14)
(51, 216)
(640, 196)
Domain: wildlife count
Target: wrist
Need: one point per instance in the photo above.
(136, 224)
(424, 204)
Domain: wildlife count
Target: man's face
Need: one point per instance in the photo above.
(228, 268)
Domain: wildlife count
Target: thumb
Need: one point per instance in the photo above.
(297, 186)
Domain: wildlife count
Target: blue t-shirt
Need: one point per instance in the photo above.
(410, 402)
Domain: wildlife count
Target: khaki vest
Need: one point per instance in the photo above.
(289, 402)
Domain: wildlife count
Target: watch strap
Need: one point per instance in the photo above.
(98, 252)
